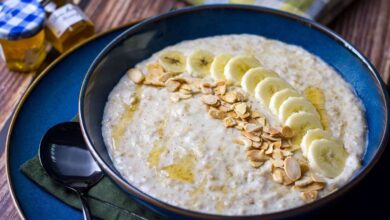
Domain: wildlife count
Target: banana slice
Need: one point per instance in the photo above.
(268, 87)
(300, 122)
(316, 96)
(312, 135)
(199, 63)
(253, 76)
(218, 66)
(237, 67)
(296, 104)
(172, 61)
(279, 97)
(327, 157)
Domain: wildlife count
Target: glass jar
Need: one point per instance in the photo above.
(22, 37)
(66, 24)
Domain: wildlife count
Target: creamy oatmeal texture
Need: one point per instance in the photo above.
(175, 152)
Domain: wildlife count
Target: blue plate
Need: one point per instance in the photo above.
(51, 99)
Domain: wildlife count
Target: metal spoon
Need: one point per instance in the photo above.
(65, 157)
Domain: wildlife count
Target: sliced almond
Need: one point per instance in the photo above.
(277, 144)
(269, 150)
(286, 153)
(262, 121)
(240, 108)
(256, 164)
(165, 76)
(303, 181)
(240, 96)
(214, 113)
(206, 90)
(220, 90)
(255, 114)
(316, 178)
(232, 114)
(135, 75)
(179, 79)
(264, 145)
(256, 155)
(277, 175)
(310, 187)
(186, 87)
(251, 136)
(172, 85)
(245, 116)
(309, 196)
(184, 95)
(256, 145)
(230, 97)
(229, 122)
(287, 132)
(210, 100)
(246, 142)
(276, 154)
(278, 163)
(292, 168)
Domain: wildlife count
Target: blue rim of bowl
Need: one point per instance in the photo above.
(195, 214)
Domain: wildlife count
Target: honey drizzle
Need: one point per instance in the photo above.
(119, 129)
(182, 169)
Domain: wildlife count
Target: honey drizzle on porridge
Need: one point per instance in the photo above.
(182, 169)
(119, 129)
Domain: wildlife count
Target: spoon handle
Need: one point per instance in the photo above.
(84, 206)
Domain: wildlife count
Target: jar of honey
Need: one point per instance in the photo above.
(66, 24)
(22, 37)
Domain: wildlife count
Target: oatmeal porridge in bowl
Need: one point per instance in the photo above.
(235, 125)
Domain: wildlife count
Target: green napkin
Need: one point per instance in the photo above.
(106, 200)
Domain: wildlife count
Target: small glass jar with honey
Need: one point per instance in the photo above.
(66, 24)
(22, 36)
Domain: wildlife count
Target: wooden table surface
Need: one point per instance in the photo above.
(365, 23)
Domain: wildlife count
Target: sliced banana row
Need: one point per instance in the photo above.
(325, 153)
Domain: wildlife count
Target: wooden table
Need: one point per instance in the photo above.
(365, 23)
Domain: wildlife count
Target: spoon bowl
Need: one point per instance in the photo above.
(65, 157)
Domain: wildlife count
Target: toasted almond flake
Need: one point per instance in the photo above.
(262, 121)
(230, 97)
(265, 145)
(255, 114)
(273, 132)
(287, 132)
(240, 96)
(210, 99)
(153, 82)
(179, 79)
(209, 85)
(309, 196)
(316, 178)
(220, 90)
(304, 165)
(223, 108)
(185, 91)
(251, 136)
(269, 137)
(229, 122)
(303, 181)
(311, 187)
(256, 155)
(277, 144)
(256, 164)
(269, 150)
(175, 97)
(135, 75)
(292, 168)
(214, 113)
(286, 153)
(165, 76)
(256, 145)
(186, 87)
(155, 68)
(245, 116)
(240, 108)
(278, 163)
(276, 154)
(184, 95)
(233, 114)
(206, 90)
(247, 143)
(172, 85)
(277, 175)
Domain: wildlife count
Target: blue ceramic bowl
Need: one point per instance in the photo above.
(150, 36)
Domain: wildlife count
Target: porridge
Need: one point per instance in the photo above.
(234, 125)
